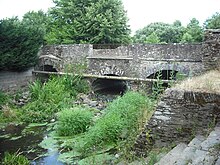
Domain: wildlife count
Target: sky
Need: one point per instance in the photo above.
(139, 12)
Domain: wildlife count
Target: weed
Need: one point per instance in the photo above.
(157, 87)
(73, 121)
(49, 98)
(3, 99)
(15, 159)
(100, 159)
(120, 122)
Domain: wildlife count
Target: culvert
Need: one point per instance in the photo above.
(109, 86)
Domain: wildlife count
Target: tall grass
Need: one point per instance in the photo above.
(3, 99)
(14, 159)
(73, 121)
(123, 119)
(49, 98)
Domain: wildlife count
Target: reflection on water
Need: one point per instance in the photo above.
(15, 138)
(48, 160)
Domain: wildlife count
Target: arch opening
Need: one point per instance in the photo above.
(164, 75)
(48, 68)
(109, 86)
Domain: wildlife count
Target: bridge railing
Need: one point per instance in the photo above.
(103, 77)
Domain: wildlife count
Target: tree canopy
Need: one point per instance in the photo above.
(167, 33)
(213, 22)
(88, 21)
(19, 44)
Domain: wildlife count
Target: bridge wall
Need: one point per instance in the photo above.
(60, 56)
(142, 60)
(137, 60)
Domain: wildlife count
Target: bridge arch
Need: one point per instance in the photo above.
(47, 68)
(50, 63)
(109, 86)
(167, 70)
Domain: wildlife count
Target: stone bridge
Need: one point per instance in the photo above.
(137, 60)
(140, 61)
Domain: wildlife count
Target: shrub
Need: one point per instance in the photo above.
(122, 119)
(74, 121)
(14, 159)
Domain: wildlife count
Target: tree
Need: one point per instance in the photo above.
(19, 44)
(167, 33)
(213, 22)
(152, 38)
(37, 19)
(177, 23)
(187, 38)
(88, 21)
(195, 30)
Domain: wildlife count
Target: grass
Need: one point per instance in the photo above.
(46, 99)
(14, 159)
(123, 119)
(3, 99)
(73, 121)
(208, 83)
(52, 97)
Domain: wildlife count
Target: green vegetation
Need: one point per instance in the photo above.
(73, 121)
(52, 97)
(90, 21)
(160, 32)
(3, 99)
(19, 44)
(14, 159)
(46, 100)
(123, 119)
(213, 22)
(86, 139)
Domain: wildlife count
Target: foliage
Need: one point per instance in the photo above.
(73, 121)
(122, 119)
(90, 21)
(3, 99)
(157, 88)
(213, 22)
(194, 31)
(14, 159)
(38, 20)
(152, 38)
(170, 33)
(97, 159)
(166, 33)
(187, 38)
(19, 44)
(49, 98)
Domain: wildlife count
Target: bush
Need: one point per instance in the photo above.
(74, 121)
(123, 118)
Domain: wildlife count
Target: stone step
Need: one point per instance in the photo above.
(188, 153)
(173, 156)
(212, 140)
(202, 157)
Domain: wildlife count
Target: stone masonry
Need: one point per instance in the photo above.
(137, 60)
(211, 49)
